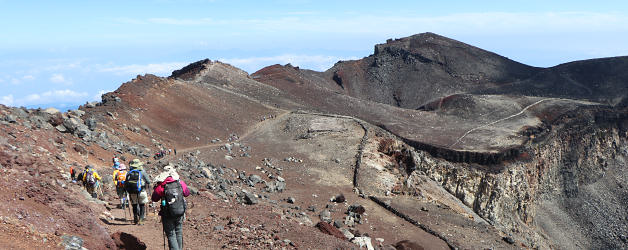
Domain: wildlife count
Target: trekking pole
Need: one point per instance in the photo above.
(128, 204)
(164, 232)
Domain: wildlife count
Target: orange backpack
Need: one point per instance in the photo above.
(121, 178)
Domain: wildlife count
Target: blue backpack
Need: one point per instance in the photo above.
(133, 183)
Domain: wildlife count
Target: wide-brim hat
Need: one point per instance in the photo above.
(168, 171)
(136, 163)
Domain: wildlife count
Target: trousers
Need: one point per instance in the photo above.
(138, 202)
(173, 231)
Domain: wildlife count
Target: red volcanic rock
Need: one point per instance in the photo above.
(408, 245)
(331, 230)
(127, 241)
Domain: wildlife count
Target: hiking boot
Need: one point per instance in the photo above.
(141, 222)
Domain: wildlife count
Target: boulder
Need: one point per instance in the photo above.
(325, 216)
(331, 230)
(250, 199)
(77, 112)
(147, 129)
(10, 118)
(363, 242)
(127, 241)
(356, 208)
(83, 132)
(61, 128)
(72, 124)
(206, 172)
(347, 233)
(338, 223)
(71, 242)
(193, 190)
(280, 186)
(407, 245)
(51, 111)
(91, 104)
(91, 123)
(340, 198)
(508, 240)
(254, 179)
(349, 221)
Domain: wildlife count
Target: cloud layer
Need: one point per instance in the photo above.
(162, 69)
(315, 62)
(66, 96)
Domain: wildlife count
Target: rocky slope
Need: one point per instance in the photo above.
(428, 140)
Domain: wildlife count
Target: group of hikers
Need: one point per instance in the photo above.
(132, 187)
(163, 153)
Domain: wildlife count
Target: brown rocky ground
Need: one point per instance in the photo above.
(268, 155)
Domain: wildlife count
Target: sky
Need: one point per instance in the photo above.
(65, 53)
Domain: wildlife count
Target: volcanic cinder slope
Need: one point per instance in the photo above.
(428, 139)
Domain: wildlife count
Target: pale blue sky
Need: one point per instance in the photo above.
(64, 53)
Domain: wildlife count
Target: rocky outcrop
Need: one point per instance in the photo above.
(190, 71)
(435, 65)
(565, 194)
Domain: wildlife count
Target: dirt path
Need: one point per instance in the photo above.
(151, 232)
(497, 121)
(258, 126)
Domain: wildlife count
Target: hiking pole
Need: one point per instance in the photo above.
(128, 203)
(122, 205)
(163, 230)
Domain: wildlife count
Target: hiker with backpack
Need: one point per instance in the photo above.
(119, 177)
(136, 183)
(91, 180)
(72, 173)
(171, 192)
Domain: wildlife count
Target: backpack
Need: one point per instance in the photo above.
(121, 178)
(133, 182)
(89, 177)
(173, 204)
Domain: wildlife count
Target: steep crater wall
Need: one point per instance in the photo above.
(568, 193)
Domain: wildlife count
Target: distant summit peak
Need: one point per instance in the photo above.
(424, 41)
(207, 68)
(190, 71)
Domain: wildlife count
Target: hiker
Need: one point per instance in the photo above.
(72, 173)
(79, 177)
(171, 192)
(91, 180)
(116, 165)
(136, 183)
(119, 176)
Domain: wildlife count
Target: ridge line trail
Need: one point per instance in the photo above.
(258, 126)
(500, 120)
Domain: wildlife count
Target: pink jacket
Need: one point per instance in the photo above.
(158, 192)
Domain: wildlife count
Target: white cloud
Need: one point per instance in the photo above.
(138, 69)
(59, 78)
(7, 100)
(58, 65)
(98, 96)
(485, 22)
(315, 62)
(15, 81)
(66, 96)
(174, 21)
